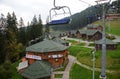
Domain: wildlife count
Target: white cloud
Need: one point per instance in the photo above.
(28, 8)
(5, 9)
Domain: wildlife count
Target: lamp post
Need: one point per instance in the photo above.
(93, 60)
(103, 73)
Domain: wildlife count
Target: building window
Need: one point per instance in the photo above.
(56, 60)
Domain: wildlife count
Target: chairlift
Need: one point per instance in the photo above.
(65, 10)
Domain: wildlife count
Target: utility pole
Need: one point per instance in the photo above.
(103, 73)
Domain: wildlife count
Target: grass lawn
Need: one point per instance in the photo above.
(72, 41)
(78, 72)
(84, 56)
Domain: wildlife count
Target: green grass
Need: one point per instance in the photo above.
(58, 75)
(81, 44)
(91, 44)
(114, 26)
(78, 50)
(78, 72)
(84, 56)
(72, 41)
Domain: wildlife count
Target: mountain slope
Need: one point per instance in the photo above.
(112, 27)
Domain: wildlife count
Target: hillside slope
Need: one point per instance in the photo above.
(112, 27)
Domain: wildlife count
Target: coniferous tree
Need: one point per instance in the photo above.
(39, 25)
(33, 28)
(12, 48)
(22, 32)
(14, 23)
(28, 30)
(2, 37)
(47, 29)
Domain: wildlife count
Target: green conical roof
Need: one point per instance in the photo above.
(38, 69)
(46, 46)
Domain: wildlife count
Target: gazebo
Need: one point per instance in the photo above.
(55, 53)
(38, 70)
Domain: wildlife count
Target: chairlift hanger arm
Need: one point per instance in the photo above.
(86, 2)
(98, 1)
(62, 7)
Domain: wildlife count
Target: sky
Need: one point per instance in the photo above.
(28, 8)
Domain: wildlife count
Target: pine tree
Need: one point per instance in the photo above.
(34, 20)
(39, 25)
(21, 22)
(47, 28)
(11, 46)
(22, 32)
(2, 37)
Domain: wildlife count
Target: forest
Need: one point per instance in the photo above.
(14, 37)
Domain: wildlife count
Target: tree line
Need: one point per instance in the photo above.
(15, 36)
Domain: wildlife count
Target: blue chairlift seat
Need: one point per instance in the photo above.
(59, 22)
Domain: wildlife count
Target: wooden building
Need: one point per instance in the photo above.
(55, 53)
(82, 34)
(93, 35)
(72, 34)
(42, 58)
(110, 45)
(90, 35)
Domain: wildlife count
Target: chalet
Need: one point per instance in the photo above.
(94, 27)
(92, 35)
(55, 53)
(72, 34)
(110, 45)
(82, 33)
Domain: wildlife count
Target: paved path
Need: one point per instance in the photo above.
(117, 39)
(67, 70)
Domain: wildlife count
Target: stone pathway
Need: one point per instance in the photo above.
(67, 70)
(117, 39)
